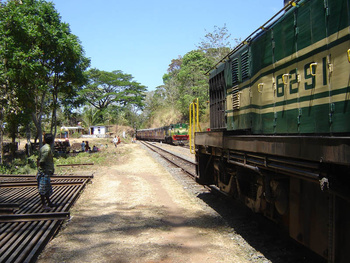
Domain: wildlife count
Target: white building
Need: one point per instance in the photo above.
(98, 131)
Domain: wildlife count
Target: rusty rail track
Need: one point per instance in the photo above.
(188, 166)
(25, 228)
(74, 164)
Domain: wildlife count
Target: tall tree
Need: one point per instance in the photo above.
(89, 116)
(67, 73)
(40, 57)
(155, 102)
(193, 81)
(171, 84)
(216, 44)
(112, 88)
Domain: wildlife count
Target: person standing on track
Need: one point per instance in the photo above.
(45, 171)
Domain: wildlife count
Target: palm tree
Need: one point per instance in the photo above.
(90, 116)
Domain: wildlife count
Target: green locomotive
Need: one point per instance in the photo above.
(279, 138)
(176, 134)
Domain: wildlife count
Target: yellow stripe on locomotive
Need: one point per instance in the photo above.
(284, 97)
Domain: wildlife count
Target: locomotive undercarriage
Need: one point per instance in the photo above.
(310, 199)
(264, 190)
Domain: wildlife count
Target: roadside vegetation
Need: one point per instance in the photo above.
(106, 157)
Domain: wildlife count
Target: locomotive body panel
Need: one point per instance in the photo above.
(303, 92)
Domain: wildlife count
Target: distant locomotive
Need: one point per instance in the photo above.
(280, 124)
(173, 134)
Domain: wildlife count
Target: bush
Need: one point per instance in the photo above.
(20, 166)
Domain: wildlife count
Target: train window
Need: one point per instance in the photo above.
(245, 65)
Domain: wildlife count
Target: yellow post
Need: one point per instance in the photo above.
(190, 127)
(194, 123)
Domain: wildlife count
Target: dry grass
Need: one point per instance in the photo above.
(105, 157)
(165, 117)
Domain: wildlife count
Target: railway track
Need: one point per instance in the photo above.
(187, 165)
(247, 227)
(25, 228)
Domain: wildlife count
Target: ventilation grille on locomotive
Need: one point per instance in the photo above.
(235, 72)
(235, 98)
(245, 65)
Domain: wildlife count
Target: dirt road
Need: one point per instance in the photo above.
(136, 212)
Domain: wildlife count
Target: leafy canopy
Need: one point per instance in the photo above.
(106, 89)
(41, 63)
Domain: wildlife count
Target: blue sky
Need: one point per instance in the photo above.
(141, 37)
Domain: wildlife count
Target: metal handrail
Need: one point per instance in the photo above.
(247, 40)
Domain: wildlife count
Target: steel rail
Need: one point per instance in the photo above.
(74, 196)
(35, 243)
(172, 161)
(31, 184)
(9, 205)
(12, 240)
(45, 234)
(193, 176)
(8, 208)
(22, 245)
(25, 232)
(212, 188)
(34, 217)
(6, 211)
(74, 164)
(24, 176)
(174, 154)
(13, 195)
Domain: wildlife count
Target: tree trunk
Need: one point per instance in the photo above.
(1, 136)
(39, 130)
(13, 137)
(37, 120)
(29, 146)
(54, 114)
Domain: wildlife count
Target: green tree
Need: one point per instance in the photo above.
(155, 102)
(163, 100)
(216, 44)
(171, 83)
(115, 88)
(193, 81)
(40, 58)
(90, 116)
(67, 74)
